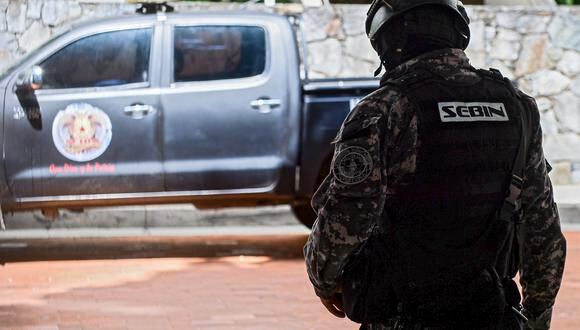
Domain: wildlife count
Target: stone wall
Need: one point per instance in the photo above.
(26, 24)
(540, 50)
(537, 47)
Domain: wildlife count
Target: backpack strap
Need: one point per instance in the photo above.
(508, 214)
(495, 74)
(511, 202)
(492, 73)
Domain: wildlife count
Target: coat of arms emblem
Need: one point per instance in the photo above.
(81, 132)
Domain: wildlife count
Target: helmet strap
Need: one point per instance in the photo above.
(391, 54)
(379, 69)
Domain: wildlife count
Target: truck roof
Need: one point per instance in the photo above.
(138, 18)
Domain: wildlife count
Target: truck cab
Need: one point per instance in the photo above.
(205, 108)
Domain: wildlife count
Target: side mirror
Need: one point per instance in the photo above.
(26, 83)
(30, 80)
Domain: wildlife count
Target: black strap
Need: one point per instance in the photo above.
(511, 203)
(492, 73)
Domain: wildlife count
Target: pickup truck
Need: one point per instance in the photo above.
(212, 109)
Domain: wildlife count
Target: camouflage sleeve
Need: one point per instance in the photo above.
(543, 244)
(350, 198)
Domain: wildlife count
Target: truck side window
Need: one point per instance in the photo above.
(218, 52)
(104, 59)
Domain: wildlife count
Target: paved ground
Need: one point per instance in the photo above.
(229, 292)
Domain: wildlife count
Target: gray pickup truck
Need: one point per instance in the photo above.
(205, 108)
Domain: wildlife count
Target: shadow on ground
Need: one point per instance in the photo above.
(288, 246)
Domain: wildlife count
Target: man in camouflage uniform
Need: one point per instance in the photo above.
(377, 155)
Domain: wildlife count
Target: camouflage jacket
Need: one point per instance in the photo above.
(376, 148)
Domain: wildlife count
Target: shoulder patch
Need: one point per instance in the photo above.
(473, 111)
(352, 165)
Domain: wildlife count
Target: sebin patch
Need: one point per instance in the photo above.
(473, 111)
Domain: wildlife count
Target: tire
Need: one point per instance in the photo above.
(305, 214)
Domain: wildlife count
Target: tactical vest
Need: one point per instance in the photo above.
(441, 225)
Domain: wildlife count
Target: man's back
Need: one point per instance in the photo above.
(440, 139)
(467, 133)
(438, 162)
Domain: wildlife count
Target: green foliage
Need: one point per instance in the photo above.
(568, 2)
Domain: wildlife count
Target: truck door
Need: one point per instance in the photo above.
(100, 117)
(227, 124)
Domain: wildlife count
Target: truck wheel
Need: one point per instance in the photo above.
(305, 214)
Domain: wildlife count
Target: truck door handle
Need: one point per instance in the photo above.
(139, 110)
(265, 105)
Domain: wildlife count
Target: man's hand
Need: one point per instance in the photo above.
(334, 305)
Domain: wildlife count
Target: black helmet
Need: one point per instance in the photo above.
(382, 11)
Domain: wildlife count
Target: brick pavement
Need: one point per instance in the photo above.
(190, 293)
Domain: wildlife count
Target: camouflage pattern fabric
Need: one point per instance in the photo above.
(543, 245)
(376, 151)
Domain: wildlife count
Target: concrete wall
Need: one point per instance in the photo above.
(539, 47)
